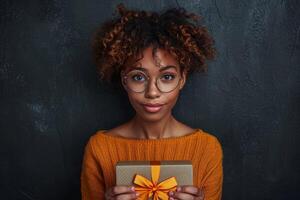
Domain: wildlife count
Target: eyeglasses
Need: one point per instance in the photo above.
(137, 81)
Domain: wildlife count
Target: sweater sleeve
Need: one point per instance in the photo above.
(213, 180)
(92, 181)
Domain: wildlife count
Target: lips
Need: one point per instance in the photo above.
(152, 108)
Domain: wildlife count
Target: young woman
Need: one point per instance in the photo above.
(151, 54)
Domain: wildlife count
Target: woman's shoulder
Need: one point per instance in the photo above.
(209, 136)
(213, 144)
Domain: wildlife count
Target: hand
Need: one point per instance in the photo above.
(186, 193)
(120, 192)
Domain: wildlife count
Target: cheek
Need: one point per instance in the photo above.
(135, 100)
(171, 99)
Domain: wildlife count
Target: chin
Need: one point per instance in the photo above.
(151, 117)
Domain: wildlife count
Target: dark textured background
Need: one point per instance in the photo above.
(51, 101)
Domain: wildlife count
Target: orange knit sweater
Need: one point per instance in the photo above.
(103, 151)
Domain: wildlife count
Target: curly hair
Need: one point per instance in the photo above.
(174, 30)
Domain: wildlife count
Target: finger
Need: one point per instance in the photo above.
(125, 196)
(188, 189)
(201, 191)
(116, 190)
(183, 196)
(200, 195)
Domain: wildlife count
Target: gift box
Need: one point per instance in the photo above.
(154, 179)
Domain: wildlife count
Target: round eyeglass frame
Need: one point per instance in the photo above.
(124, 77)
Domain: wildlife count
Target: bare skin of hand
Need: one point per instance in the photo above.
(120, 193)
(187, 192)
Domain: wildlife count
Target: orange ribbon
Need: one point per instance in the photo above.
(147, 188)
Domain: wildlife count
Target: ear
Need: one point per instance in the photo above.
(183, 79)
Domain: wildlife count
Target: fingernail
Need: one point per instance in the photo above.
(178, 189)
(171, 193)
(132, 188)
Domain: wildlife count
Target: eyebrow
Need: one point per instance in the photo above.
(161, 69)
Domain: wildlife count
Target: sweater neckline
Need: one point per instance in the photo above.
(189, 135)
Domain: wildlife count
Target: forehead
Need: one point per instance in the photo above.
(153, 60)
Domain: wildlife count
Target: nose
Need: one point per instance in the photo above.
(151, 90)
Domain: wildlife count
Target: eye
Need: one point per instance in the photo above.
(168, 77)
(138, 77)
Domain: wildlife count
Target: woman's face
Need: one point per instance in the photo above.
(152, 104)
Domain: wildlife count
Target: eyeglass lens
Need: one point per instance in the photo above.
(137, 81)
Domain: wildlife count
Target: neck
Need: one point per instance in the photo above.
(153, 130)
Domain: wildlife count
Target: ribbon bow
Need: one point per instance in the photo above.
(147, 188)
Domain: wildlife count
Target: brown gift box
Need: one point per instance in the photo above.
(182, 170)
